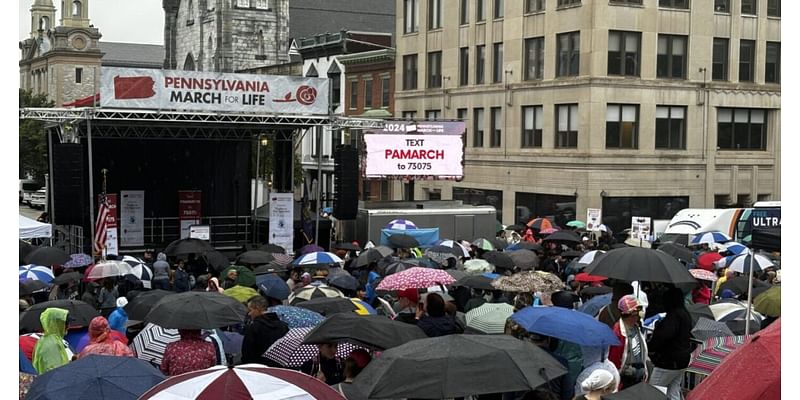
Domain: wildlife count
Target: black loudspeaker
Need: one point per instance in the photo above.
(345, 182)
(70, 191)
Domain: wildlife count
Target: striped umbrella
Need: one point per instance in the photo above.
(313, 291)
(140, 270)
(703, 274)
(483, 244)
(150, 343)
(540, 224)
(729, 311)
(317, 258)
(36, 272)
(402, 224)
(735, 247)
(460, 249)
(416, 278)
(707, 356)
(289, 351)
(741, 263)
(297, 317)
(282, 259)
(490, 318)
(249, 381)
(709, 238)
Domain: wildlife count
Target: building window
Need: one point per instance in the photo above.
(463, 66)
(409, 115)
(385, 92)
(480, 10)
(638, 2)
(335, 77)
(243, 3)
(477, 140)
(747, 56)
(741, 129)
(78, 75)
(569, 46)
(532, 6)
(773, 67)
(464, 12)
(353, 95)
(497, 127)
(461, 115)
(723, 6)
(671, 127)
(562, 3)
(480, 64)
(434, 14)
(532, 122)
(567, 129)
(435, 69)
(433, 114)
(773, 8)
(671, 62)
(558, 209)
(617, 211)
(534, 58)
(622, 126)
(367, 94)
(262, 4)
(682, 4)
(623, 53)
(497, 65)
(77, 8)
(749, 7)
(719, 63)
(480, 197)
(410, 16)
(498, 9)
(44, 24)
(410, 72)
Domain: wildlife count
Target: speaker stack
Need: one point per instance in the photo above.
(345, 182)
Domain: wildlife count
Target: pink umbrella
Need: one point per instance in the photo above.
(415, 278)
(548, 231)
(703, 274)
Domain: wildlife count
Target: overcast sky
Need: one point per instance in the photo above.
(130, 21)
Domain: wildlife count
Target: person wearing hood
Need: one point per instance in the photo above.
(433, 320)
(50, 351)
(213, 286)
(102, 342)
(262, 332)
(161, 273)
(119, 318)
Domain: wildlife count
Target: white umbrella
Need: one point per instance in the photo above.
(140, 270)
(741, 263)
(587, 258)
(109, 268)
(490, 318)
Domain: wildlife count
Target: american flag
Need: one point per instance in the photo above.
(101, 226)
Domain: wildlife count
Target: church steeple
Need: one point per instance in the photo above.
(43, 16)
(75, 13)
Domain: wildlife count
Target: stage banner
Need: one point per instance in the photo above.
(436, 156)
(132, 217)
(281, 220)
(189, 210)
(156, 89)
(112, 242)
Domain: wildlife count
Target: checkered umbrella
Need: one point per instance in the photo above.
(313, 291)
(490, 318)
(297, 317)
(150, 343)
(289, 351)
(416, 278)
(402, 224)
(36, 272)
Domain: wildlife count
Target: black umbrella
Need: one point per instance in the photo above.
(524, 259)
(343, 281)
(563, 236)
(272, 248)
(374, 254)
(476, 282)
(531, 246)
(738, 285)
(80, 314)
(196, 310)
(396, 266)
(572, 254)
(47, 256)
(373, 331)
(403, 241)
(139, 306)
(24, 249)
(346, 246)
(67, 277)
(457, 366)
(499, 244)
(188, 246)
(254, 257)
(639, 264)
(637, 392)
(329, 305)
(697, 311)
(269, 268)
(444, 250)
(596, 290)
(216, 260)
(500, 260)
(30, 286)
(516, 228)
(678, 251)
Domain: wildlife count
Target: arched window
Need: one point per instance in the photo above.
(188, 65)
(261, 42)
(210, 53)
(190, 10)
(77, 8)
(44, 23)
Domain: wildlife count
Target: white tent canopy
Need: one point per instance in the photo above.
(29, 229)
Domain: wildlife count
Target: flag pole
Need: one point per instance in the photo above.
(104, 171)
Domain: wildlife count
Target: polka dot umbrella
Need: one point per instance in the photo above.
(416, 278)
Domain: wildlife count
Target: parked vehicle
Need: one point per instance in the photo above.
(737, 223)
(26, 188)
(38, 199)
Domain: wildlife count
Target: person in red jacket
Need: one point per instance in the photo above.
(630, 356)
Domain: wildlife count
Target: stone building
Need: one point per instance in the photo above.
(638, 107)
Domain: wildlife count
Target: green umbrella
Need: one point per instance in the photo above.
(769, 302)
(576, 224)
(483, 244)
(240, 293)
(246, 276)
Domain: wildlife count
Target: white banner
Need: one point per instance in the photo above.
(640, 228)
(389, 155)
(594, 217)
(281, 220)
(132, 217)
(112, 244)
(202, 232)
(212, 91)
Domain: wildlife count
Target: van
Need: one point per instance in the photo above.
(26, 188)
(738, 223)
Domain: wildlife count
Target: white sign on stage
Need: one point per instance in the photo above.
(132, 217)
(281, 220)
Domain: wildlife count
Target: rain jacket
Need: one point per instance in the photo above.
(102, 342)
(118, 319)
(50, 352)
(161, 267)
(260, 335)
(439, 326)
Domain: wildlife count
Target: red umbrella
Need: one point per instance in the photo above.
(585, 277)
(706, 260)
(415, 278)
(751, 372)
(540, 224)
(703, 274)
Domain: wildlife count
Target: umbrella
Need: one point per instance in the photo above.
(47, 256)
(401, 224)
(269, 269)
(709, 238)
(216, 260)
(489, 318)
(362, 307)
(463, 364)
(475, 282)
(707, 260)
(638, 391)
(741, 263)
(310, 248)
(107, 269)
(138, 307)
(374, 254)
(403, 241)
(729, 311)
(576, 224)
(297, 317)
(563, 323)
(457, 248)
(483, 244)
(704, 275)
(769, 302)
(245, 277)
(499, 259)
(249, 381)
(289, 351)
(548, 231)
(149, 344)
(697, 311)
(29, 286)
(313, 291)
(415, 278)
(25, 248)
(639, 264)
(596, 290)
(96, 377)
(707, 328)
(343, 281)
(738, 284)
(67, 277)
(240, 293)
(36, 272)
(595, 304)
(709, 354)
(80, 314)
(735, 247)
(317, 258)
(271, 285)
(372, 331)
(78, 260)
(254, 257)
(540, 223)
(188, 246)
(527, 246)
(529, 281)
(272, 248)
(396, 266)
(140, 270)
(196, 310)
(585, 277)
(283, 260)
(456, 274)
(477, 267)
(678, 251)
(499, 244)
(563, 236)
(440, 254)
(524, 259)
(762, 355)
(328, 306)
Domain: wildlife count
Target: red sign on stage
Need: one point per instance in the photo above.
(189, 209)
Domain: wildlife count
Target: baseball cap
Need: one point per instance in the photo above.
(628, 304)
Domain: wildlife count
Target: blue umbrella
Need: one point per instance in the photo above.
(97, 377)
(272, 285)
(593, 306)
(297, 317)
(736, 248)
(343, 281)
(36, 272)
(709, 237)
(25, 364)
(569, 325)
(317, 258)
